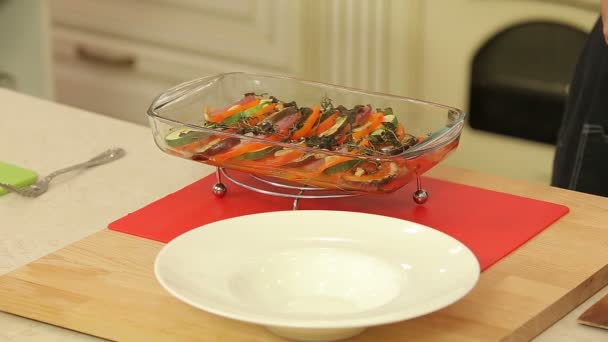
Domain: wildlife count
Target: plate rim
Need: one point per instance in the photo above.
(387, 318)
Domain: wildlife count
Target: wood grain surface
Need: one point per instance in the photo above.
(104, 285)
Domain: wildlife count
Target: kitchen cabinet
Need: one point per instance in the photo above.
(114, 56)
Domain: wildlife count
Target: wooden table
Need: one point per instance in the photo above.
(81, 204)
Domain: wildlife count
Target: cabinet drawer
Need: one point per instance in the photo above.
(119, 77)
(122, 96)
(259, 33)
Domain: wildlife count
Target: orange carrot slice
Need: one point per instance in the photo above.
(327, 123)
(244, 148)
(261, 114)
(333, 161)
(375, 120)
(306, 129)
(233, 110)
(238, 150)
(283, 159)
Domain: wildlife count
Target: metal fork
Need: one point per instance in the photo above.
(42, 185)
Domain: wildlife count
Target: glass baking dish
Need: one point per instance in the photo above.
(306, 132)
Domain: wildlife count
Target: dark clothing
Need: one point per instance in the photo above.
(581, 159)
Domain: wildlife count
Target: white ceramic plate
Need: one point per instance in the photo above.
(316, 275)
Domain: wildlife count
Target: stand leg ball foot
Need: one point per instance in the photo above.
(420, 196)
(219, 190)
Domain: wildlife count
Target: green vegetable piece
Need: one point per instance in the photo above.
(184, 137)
(246, 113)
(259, 154)
(391, 119)
(340, 122)
(342, 167)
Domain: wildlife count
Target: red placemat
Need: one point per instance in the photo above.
(492, 224)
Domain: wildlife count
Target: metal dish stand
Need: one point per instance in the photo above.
(296, 192)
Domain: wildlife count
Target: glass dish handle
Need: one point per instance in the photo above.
(180, 90)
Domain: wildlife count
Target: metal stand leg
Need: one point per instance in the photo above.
(420, 195)
(296, 200)
(219, 189)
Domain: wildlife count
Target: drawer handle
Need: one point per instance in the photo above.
(105, 58)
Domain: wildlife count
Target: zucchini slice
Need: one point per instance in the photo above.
(342, 167)
(340, 122)
(184, 136)
(391, 118)
(246, 113)
(258, 154)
